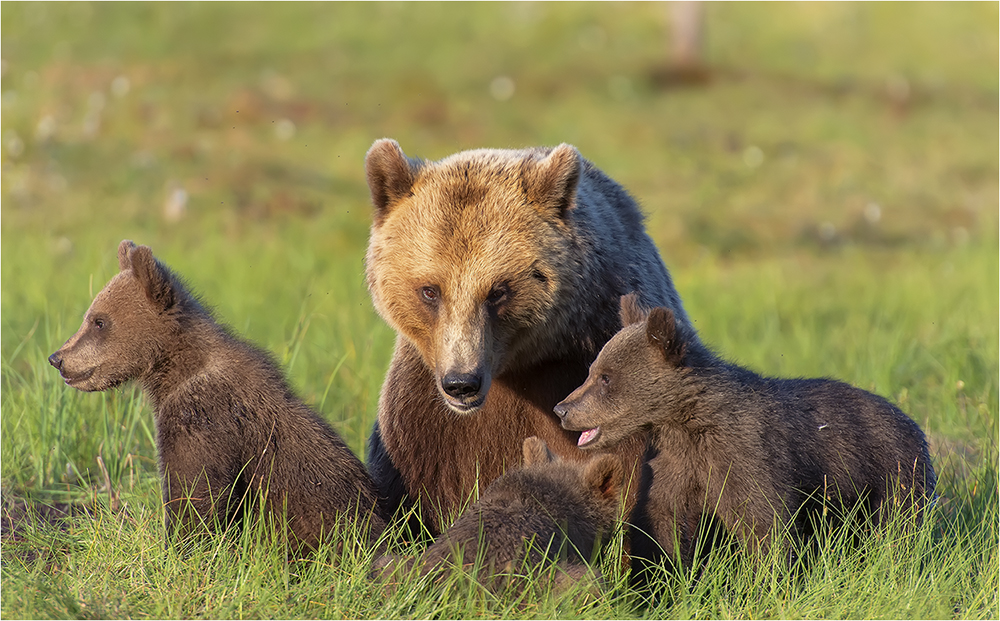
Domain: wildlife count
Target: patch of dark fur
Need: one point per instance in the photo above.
(548, 511)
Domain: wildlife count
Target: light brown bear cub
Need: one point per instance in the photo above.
(228, 428)
(737, 448)
(501, 272)
(549, 510)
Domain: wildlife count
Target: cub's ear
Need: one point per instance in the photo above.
(552, 182)
(123, 249)
(391, 175)
(605, 474)
(536, 451)
(630, 311)
(152, 276)
(661, 331)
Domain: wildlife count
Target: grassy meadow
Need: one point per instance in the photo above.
(827, 204)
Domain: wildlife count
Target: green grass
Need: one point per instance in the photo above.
(761, 188)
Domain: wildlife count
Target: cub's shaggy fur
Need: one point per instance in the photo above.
(739, 448)
(548, 510)
(501, 272)
(228, 428)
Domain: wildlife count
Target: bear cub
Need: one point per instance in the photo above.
(228, 428)
(549, 510)
(745, 449)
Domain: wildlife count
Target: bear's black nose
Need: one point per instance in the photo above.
(55, 360)
(560, 410)
(461, 385)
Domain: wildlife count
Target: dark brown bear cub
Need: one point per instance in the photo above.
(749, 450)
(228, 427)
(548, 510)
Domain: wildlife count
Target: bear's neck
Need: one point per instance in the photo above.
(188, 354)
(708, 402)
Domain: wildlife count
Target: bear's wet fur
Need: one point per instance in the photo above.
(229, 430)
(732, 448)
(547, 511)
(500, 271)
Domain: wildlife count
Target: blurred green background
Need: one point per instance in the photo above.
(827, 201)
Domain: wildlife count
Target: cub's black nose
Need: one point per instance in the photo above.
(461, 385)
(56, 361)
(560, 410)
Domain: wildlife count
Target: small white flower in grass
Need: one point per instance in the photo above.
(46, 128)
(873, 213)
(175, 205)
(502, 88)
(63, 245)
(120, 86)
(284, 129)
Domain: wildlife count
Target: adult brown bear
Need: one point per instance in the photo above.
(501, 272)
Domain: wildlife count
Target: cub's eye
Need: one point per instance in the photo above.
(497, 296)
(99, 324)
(605, 380)
(429, 294)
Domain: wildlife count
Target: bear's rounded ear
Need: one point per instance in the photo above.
(630, 311)
(661, 331)
(123, 249)
(553, 181)
(536, 451)
(153, 277)
(604, 474)
(391, 175)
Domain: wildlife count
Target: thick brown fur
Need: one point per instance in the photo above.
(549, 510)
(739, 449)
(228, 428)
(501, 272)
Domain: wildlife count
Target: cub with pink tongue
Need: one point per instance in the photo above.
(732, 448)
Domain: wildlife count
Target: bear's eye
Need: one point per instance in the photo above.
(497, 296)
(605, 380)
(429, 294)
(99, 323)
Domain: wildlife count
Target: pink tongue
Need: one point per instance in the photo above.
(587, 436)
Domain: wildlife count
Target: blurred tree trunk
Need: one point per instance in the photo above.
(686, 55)
(687, 33)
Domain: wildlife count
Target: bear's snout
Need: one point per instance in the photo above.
(462, 386)
(56, 360)
(561, 410)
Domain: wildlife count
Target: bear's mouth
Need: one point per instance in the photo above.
(461, 407)
(72, 380)
(588, 437)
